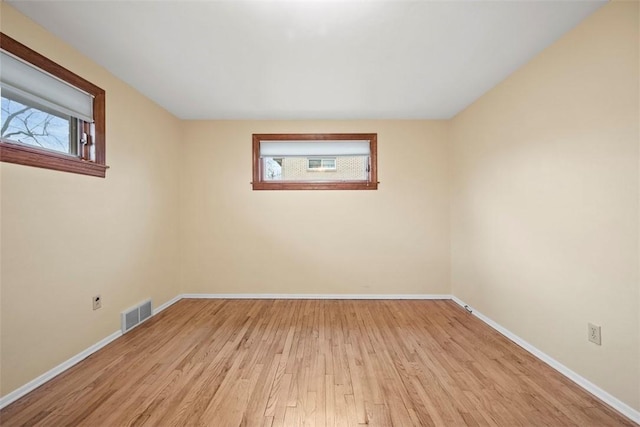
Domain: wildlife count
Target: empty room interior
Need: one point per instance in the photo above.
(266, 213)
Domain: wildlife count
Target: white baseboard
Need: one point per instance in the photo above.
(37, 382)
(33, 384)
(607, 398)
(167, 304)
(318, 296)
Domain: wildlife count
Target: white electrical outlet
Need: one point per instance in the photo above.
(594, 334)
(97, 302)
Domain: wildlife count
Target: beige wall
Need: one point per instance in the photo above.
(66, 237)
(391, 241)
(545, 201)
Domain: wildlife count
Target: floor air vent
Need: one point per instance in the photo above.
(135, 315)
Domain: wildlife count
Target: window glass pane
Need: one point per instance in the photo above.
(320, 161)
(272, 169)
(30, 125)
(315, 163)
(342, 168)
(329, 163)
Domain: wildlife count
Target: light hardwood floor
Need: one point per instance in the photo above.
(311, 362)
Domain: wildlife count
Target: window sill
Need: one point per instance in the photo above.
(365, 185)
(30, 156)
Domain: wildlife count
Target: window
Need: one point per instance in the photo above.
(315, 161)
(50, 117)
(321, 165)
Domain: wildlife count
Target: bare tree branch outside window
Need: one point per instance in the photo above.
(29, 125)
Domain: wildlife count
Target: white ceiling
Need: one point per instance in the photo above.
(310, 59)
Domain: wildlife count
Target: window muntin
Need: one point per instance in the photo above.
(62, 125)
(314, 161)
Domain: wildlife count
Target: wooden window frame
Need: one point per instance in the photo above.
(370, 184)
(12, 152)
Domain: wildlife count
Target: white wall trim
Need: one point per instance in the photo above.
(33, 384)
(49, 375)
(167, 304)
(601, 394)
(318, 296)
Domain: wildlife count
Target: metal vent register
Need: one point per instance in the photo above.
(134, 316)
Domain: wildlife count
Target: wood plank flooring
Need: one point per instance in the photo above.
(311, 363)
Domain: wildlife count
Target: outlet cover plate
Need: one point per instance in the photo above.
(595, 334)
